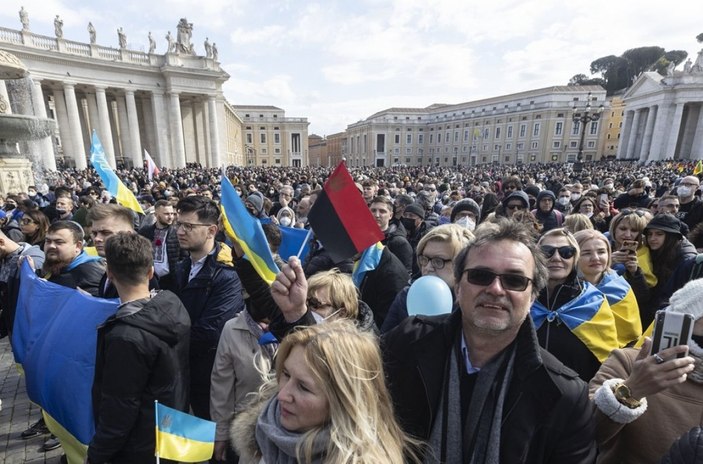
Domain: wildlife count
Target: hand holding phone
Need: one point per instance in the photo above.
(671, 329)
(630, 246)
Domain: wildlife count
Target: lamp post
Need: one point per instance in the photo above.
(456, 149)
(586, 116)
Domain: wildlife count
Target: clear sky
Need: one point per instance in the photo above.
(337, 62)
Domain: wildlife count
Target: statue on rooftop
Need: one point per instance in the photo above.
(122, 37)
(214, 51)
(91, 32)
(152, 43)
(687, 66)
(58, 27)
(24, 19)
(208, 48)
(169, 39)
(185, 33)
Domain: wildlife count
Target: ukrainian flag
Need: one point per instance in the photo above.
(368, 261)
(54, 341)
(182, 437)
(113, 184)
(588, 316)
(624, 307)
(698, 169)
(246, 230)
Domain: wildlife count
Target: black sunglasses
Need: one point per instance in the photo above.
(316, 304)
(628, 211)
(484, 278)
(565, 252)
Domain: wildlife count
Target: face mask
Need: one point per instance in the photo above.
(684, 191)
(60, 211)
(285, 221)
(409, 225)
(575, 196)
(32, 194)
(588, 215)
(467, 222)
(168, 193)
(609, 186)
(563, 201)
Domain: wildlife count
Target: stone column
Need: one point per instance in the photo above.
(633, 135)
(136, 144)
(179, 153)
(161, 157)
(697, 146)
(104, 128)
(47, 146)
(674, 132)
(123, 123)
(62, 121)
(661, 130)
(625, 138)
(204, 126)
(215, 158)
(647, 139)
(74, 123)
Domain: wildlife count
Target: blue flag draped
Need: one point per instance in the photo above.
(54, 340)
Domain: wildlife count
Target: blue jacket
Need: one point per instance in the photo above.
(212, 297)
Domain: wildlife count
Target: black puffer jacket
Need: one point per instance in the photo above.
(686, 450)
(394, 239)
(142, 356)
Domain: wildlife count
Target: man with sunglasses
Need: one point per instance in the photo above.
(474, 384)
(209, 288)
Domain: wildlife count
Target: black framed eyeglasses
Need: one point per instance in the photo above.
(437, 262)
(566, 251)
(484, 278)
(188, 226)
(628, 211)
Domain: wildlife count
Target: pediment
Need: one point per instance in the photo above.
(646, 83)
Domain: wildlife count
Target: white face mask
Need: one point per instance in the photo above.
(467, 222)
(684, 191)
(575, 196)
(563, 201)
(588, 215)
(285, 221)
(608, 186)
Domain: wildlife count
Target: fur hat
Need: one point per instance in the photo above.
(467, 204)
(688, 299)
(415, 208)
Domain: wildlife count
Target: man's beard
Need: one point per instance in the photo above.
(53, 264)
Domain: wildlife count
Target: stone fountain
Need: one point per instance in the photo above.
(15, 168)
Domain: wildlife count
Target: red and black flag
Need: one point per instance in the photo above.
(340, 218)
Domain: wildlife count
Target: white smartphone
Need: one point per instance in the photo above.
(671, 329)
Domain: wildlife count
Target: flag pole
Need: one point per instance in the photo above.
(156, 428)
(302, 246)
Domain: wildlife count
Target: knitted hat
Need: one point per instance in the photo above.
(467, 204)
(666, 223)
(532, 190)
(415, 208)
(688, 299)
(517, 194)
(257, 201)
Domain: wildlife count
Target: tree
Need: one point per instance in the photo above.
(699, 37)
(641, 59)
(677, 56)
(582, 79)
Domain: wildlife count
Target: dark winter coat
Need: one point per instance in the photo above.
(85, 276)
(380, 286)
(142, 356)
(547, 416)
(394, 239)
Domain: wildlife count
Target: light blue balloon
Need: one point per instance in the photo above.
(429, 296)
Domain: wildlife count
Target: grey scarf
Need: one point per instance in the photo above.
(481, 437)
(277, 444)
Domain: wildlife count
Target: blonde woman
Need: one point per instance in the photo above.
(577, 221)
(594, 266)
(332, 294)
(331, 403)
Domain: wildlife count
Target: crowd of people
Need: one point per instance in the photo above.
(556, 272)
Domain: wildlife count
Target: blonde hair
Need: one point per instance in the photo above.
(347, 365)
(583, 236)
(341, 289)
(456, 236)
(577, 221)
(632, 219)
(565, 234)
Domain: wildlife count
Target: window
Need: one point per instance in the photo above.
(420, 138)
(556, 144)
(591, 144)
(497, 132)
(439, 138)
(535, 145)
(523, 130)
(409, 138)
(431, 137)
(277, 161)
(485, 133)
(447, 137)
(594, 127)
(262, 136)
(521, 146)
(535, 130)
(264, 151)
(277, 150)
(456, 136)
(558, 128)
(397, 138)
(508, 146)
(510, 132)
(277, 138)
(573, 144)
(466, 135)
(408, 151)
(576, 128)
(249, 138)
(496, 147)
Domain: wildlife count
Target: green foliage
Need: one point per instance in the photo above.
(677, 56)
(582, 79)
(699, 37)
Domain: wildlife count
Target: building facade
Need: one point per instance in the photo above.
(611, 123)
(526, 127)
(271, 138)
(664, 115)
(170, 104)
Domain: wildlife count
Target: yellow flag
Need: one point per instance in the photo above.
(698, 169)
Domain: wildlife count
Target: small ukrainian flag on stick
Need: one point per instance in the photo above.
(182, 437)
